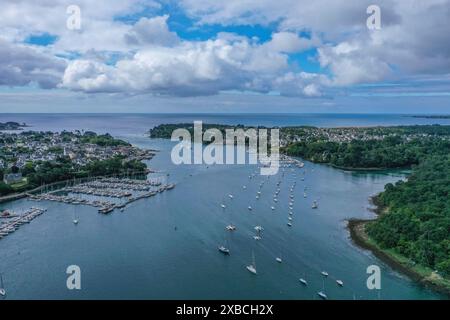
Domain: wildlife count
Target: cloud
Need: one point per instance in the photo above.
(22, 65)
(124, 47)
(193, 68)
(153, 31)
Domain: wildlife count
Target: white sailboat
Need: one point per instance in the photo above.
(224, 250)
(252, 267)
(231, 227)
(324, 273)
(2, 288)
(340, 283)
(322, 293)
(303, 281)
(278, 259)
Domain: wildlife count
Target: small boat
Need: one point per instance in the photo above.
(303, 281)
(75, 221)
(340, 283)
(291, 213)
(273, 208)
(244, 187)
(278, 259)
(314, 205)
(289, 224)
(324, 273)
(322, 295)
(259, 228)
(257, 238)
(250, 208)
(223, 206)
(259, 192)
(304, 195)
(224, 250)
(275, 200)
(252, 267)
(290, 218)
(231, 227)
(2, 288)
(230, 196)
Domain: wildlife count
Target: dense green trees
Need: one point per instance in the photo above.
(48, 172)
(391, 152)
(417, 224)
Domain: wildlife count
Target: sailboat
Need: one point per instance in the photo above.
(75, 220)
(322, 293)
(224, 250)
(252, 267)
(303, 281)
(2, 289)
(278, 259)
(340, 283)
(231, 227)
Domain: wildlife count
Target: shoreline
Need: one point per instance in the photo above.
(423, 276)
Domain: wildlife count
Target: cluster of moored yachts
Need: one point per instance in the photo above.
(16, 220)
(287, 163)
(106, 187)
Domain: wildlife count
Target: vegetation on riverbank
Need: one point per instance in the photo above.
(374, 148)
(417, 272)
(53, 171)
(417, 222)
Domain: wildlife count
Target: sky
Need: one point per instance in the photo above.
(225, 56)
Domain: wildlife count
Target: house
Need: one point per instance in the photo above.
(12, 178)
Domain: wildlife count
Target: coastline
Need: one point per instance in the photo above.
(423, 275)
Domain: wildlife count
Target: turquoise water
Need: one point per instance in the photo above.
(165, 247)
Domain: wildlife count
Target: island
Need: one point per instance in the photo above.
(11, 126)
(412, 230)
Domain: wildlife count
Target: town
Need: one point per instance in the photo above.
(31, 159)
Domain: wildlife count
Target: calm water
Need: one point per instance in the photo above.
(166, 246)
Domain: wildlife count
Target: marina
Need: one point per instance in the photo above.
(128, 190)
(14, 221)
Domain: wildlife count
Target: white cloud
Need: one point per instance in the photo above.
(153, 31)
(22, 65)
(193, 68)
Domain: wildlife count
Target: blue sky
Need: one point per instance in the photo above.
(207, 56)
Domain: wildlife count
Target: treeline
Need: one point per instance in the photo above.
(164, 131)
(417, 222)
(46, 172)
(391, 152)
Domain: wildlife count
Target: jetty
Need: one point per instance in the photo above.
(18, 220)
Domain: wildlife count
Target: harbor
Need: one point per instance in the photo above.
(15, 220)
(100, 192)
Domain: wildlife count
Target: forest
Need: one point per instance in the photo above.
(417, 222)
